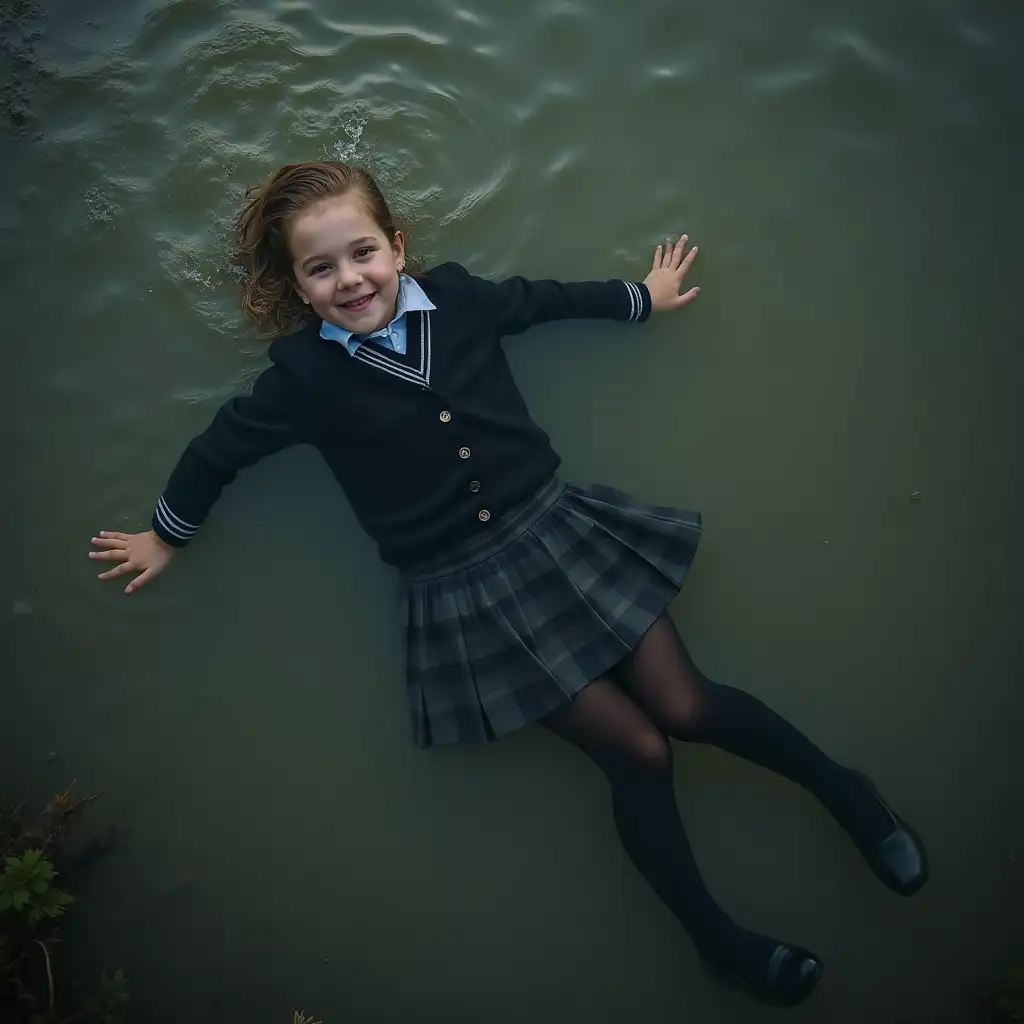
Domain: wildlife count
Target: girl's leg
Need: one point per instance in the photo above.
(637, 761)
(663, 680)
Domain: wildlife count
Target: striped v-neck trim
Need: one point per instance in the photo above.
(392, 363)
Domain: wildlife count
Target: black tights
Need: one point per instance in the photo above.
(623, 723)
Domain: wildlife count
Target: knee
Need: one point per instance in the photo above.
(650, 752)
(690, 713)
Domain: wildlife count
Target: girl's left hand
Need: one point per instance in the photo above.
(666, 276)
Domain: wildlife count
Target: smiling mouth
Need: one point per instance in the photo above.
(358, 305)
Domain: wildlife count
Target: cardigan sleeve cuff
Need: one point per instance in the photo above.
(639, 301)
(171, 528)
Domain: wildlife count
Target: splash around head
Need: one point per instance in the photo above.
(318, 241)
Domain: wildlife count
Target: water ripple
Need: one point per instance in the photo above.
(481, 127)
(478, 195)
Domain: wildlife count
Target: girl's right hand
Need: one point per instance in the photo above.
(144, 553)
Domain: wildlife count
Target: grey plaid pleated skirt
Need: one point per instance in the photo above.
(511, 624)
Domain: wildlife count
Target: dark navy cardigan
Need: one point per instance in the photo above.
(429, 447)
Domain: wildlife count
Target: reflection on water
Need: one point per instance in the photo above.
(851, 173)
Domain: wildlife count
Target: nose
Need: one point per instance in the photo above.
(349, 276)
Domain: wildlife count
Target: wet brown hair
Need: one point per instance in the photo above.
(268, 284)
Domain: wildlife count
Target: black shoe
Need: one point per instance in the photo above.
(900, 860)
(787, 979)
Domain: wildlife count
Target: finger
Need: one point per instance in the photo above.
(677, 252)
(110, 534)
(687, 297)
(656, 265)
(687, 263)
(140, 581)
(118, 570)
(667, 261)
(118, 555)
(108, 542)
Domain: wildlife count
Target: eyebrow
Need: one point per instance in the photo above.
(358, 241)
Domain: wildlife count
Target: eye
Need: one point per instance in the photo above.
(319, 267)
(364, 251)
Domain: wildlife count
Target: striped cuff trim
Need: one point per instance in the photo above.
(174, 525)
(636, 301)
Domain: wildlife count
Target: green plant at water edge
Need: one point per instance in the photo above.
(25, 886)
(109, 1008)
(32, 988)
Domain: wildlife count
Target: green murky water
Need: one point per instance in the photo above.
(852, 173)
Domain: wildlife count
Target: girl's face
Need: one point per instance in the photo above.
(344, 266)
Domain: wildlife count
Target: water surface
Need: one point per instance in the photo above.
(852, 174)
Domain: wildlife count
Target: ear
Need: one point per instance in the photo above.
(298, 291)
(398, 248)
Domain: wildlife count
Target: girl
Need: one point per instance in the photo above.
(525, 599)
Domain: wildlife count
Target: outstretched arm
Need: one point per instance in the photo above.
(244, 430)
(516, 304)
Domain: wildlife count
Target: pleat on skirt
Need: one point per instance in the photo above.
(511, 624)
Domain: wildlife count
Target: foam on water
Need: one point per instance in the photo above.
(350, 150)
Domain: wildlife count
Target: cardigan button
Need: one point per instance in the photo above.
(445, 417)
(474, 486)
(464, 453)
(483, 515)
